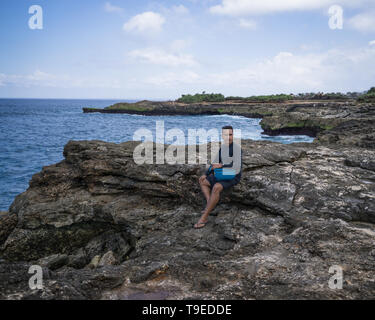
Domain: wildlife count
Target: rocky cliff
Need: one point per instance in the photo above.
(103, 227)
(332, 121)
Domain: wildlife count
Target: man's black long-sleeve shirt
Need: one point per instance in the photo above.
(218, 159)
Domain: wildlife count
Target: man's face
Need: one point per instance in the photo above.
(227, 136)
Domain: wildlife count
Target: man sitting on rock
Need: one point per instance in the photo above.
(210, 185)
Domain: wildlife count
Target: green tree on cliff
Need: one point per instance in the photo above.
(369, 96)
(201, 97)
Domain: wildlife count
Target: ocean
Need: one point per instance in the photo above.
(34, 132)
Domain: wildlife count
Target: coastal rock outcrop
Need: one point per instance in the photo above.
(104, 227)
(347, 123)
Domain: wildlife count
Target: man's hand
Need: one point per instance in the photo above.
(201, 179)
(217, 165)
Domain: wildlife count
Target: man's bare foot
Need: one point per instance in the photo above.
(201, 223)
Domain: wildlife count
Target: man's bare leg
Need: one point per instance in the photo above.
(214, 199)
(205, 187)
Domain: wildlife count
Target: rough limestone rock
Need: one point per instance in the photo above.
(7, 223)
(54, 261)
(107, 259)
(94, 262)
(298, 210)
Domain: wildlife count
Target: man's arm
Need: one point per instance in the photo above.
(215, 160)
(207, 173)
(237, 149)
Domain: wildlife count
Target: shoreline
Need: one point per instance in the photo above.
(297, 117)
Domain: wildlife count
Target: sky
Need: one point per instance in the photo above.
(159, 50)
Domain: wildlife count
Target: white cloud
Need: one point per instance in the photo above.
(108, 7)
(2, 79)
(160, 57)
(35, 79)
(42, 79)
(283, 70)
(180, 9)
(247, 24)
(364, 22)
(372, 43)
(287, 72)
(179, 45)
(174, 12)
(253, 7)
(173, 79)
(145, 22)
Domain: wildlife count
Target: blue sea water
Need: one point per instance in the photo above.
(33, 134)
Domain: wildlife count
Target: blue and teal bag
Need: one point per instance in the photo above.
(223, 173)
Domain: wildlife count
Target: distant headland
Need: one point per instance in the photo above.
(287, 114)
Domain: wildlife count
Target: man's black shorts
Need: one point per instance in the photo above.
(225, 183)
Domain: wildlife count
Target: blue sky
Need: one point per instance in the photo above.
(161, 49)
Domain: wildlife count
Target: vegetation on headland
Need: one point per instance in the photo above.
(369, 96)
(169, 107)
(137, 106)
(327, 96)
(269, 98)
(218, 97)
(201, 97)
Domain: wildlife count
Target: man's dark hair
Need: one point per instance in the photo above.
(227, 127)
